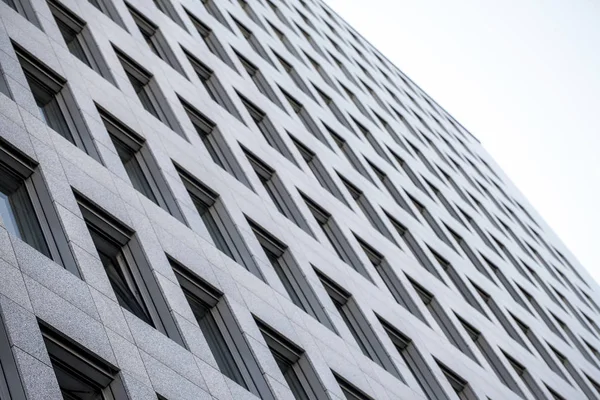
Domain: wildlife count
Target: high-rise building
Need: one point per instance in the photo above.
(213, 199)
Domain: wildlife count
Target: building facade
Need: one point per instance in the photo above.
(242, 199)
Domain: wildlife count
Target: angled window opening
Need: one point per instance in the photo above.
(574, 340)
(555, 395)
(11, 386)
(253, 41)
(108, 9)
(479, 231)
(213, 86)
(415, 363)
(140, 165)
(290, 275)
(218, 223)
(277, 192)
(212, 8)
(540, 311)
(167, 8)
(415, 249)
(215, 143)
(441, 318)
(222, 333)
(310, 41)
(286, 42)
(79, 40)
(55, 102)
(461, 387)
(154, 38)
(526, 378)
(259, 80)
(410, 173)
(350, 391)
(79, 373)
(372, 141)
(250, 13)
(490, 356)
(358, 325)
(594, 384)
(505, 283)
(27, 210)
(336, 238)
(444, 201)
(424, 160)
(278, 13)
(318, 170)
(367, 209)
(129, 273)
(316, 66)
(267, 129)
(304, 116)
(147, 90)
(211, 40)
(294, 76)
(430, 220)
(470, 254)
(349, 154)
(24, 8)
(391, 188)
(353, 96)
(294, 365)
(390, 279)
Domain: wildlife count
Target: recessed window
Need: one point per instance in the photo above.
(80, 374)
(108, 8)
(10, 382)
(526, 377)
(336, 238)
(371, 139)
(357, 101)
(213, 86)
(431, 221)
(218, 223)
(350, 391)
(470, 254)
(56, 105)
(294, 365)
(290, 275)
(316, 66)
(311, 41)
(222, 333)
(211, 41)
(24, 8)
(286, 42)
(367, 209)
(155, 39)
(391, 188)
(293, 74)
(26, 208)
(253, 42)
(573, 372)
(250, 13)
(461, 387)
(391, 280)
(167, 8)
(318, 170)
(147, 90)
(127, 268)
(305, 118)
(279, 14)
(415, 363)
(259, 80)
(215, 143)
(267, 129)
(139, 163)
(213, 10)
(335, 110)
(349, 154)
(277, 192)
(410, 173)
(358, 325)
(78, 39)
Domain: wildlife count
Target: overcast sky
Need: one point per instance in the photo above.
(524, 77)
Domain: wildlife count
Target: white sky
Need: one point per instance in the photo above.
(524, 77)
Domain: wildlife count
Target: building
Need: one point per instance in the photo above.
(243, 199)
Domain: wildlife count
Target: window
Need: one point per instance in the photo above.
(213, 10)
(277, 192)
(213, 86)
(431, 221)
(24, 8)
(155, 39)
(147, 90)
(266, 128)
(350, 391)
(108, 8)
(55, 103)
(305, 118)
(26, 208)
(443, 320)
(318, 170)
(294, 365)
(574, 340)
(349, 154)
(78, 39)
(250, 13)
(215, 143)
(167, 8)
(259, 80)
(311, 41)
(335, 237)
(410, 173)
(128, 271)
(391, 189)
(536, 306)
(293, 74)
(470, 254)
(80, 374)
(367, 209)
(140, 165)
(222, 333)
(355, 99)
(414, 247)
(526, 377)
(415, 363)
(317, 67)
(218, 223)
(279, 14)
(253, 42)
(286, 42)
(461, 387)
(390, 279)
(211, 41)
(10, 383)
(358, 325)
(371, 139)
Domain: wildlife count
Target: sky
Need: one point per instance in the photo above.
(524, 77)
